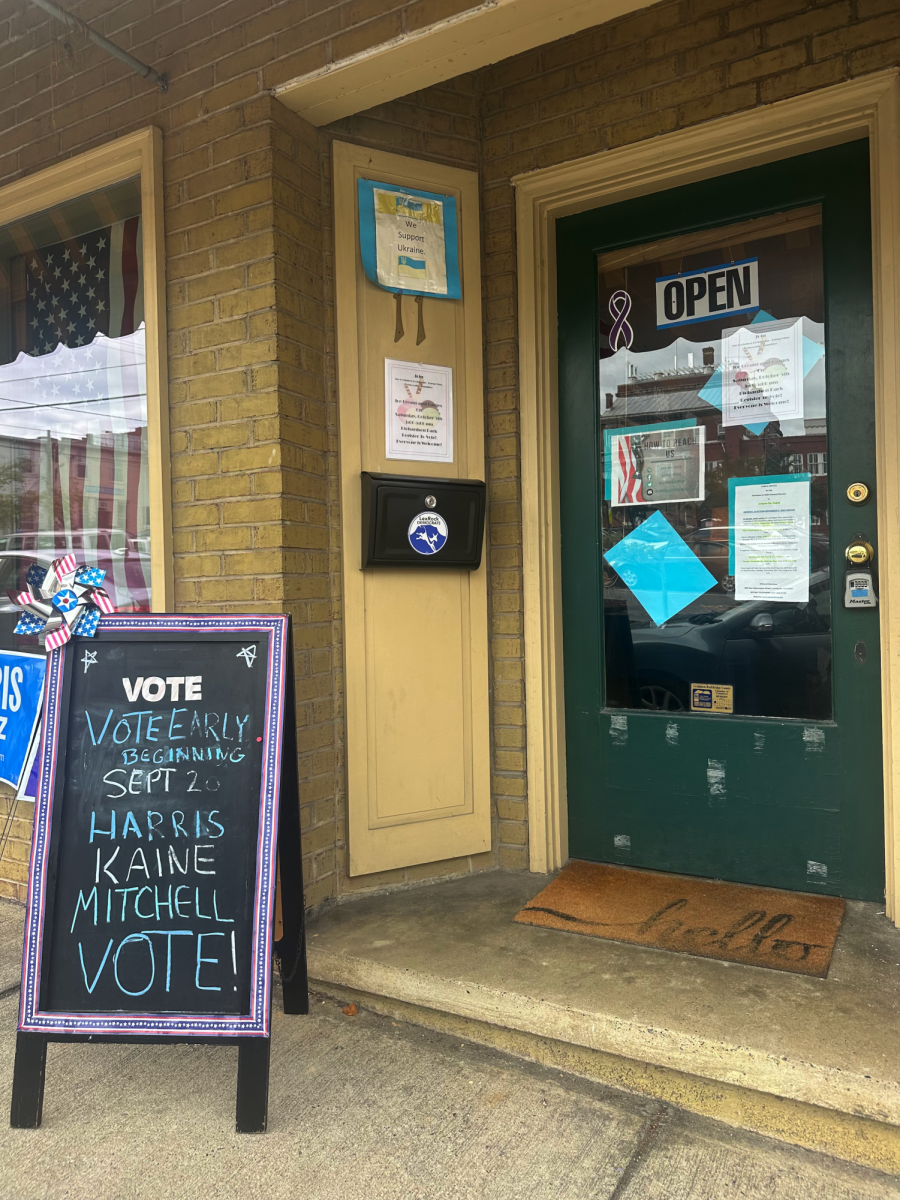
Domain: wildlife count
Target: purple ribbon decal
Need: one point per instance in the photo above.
(619, 308)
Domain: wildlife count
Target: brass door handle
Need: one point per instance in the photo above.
(860, 551)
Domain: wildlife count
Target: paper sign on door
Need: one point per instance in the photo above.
(770, 537)
(658, 467)
(762, 373)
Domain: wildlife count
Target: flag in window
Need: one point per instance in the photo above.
(83, 286)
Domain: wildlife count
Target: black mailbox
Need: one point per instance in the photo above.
(409, 521)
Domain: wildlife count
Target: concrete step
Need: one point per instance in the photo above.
(812, 1062)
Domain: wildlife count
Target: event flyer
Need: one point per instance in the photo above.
(762, 372)
(658, 467)
(770, 521)
(418, 411)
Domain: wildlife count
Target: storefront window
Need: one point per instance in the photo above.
(716, 540)
(73, 397)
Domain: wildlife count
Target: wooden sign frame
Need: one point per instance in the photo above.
(278, 853)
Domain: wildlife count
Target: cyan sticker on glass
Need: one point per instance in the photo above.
(659, 568)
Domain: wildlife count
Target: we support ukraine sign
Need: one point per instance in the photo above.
(409, 240)
(21, 689)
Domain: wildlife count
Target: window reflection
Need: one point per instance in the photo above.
(73, 404)
(670, 406)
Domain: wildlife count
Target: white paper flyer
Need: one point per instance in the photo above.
(771, 540)
(418, 411)
(762, 372)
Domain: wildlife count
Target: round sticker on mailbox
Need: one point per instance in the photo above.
(427, 533)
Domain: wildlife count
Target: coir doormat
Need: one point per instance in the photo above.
(788, 931)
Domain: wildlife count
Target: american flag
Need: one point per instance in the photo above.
(83, 286)
(73, 407)
(73, 425)
(627, 478)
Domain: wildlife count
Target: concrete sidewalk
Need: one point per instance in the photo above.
(363, 1108)
(813, 1061)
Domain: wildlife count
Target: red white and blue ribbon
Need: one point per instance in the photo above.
(60, 600)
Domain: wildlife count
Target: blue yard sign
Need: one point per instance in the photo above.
(21, 689)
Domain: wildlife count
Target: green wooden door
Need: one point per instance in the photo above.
(701, 461)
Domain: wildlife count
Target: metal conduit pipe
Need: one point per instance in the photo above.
(75, 24)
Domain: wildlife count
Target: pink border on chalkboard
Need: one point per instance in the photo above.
(256, 1023)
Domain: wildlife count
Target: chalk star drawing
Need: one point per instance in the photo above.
(248, 654)
(90, 658)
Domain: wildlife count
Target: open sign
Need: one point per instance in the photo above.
(714, 292)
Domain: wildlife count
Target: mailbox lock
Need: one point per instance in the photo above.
(430, 502)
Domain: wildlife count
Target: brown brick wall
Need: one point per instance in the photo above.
(247, 403)
(250, 309)
(247, 214)
(16, 820)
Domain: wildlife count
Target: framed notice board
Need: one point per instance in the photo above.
(167, 800)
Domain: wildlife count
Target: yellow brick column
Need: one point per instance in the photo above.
(249, 444)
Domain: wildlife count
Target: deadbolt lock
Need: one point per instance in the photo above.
(858, 493)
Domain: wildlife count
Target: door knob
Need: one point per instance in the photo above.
(860, 551)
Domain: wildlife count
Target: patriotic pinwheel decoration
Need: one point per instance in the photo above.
(60, 600)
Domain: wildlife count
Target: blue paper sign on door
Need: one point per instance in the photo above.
(21, 688)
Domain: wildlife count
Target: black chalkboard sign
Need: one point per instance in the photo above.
(167, 787)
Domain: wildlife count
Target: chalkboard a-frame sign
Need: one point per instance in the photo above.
(167, 802)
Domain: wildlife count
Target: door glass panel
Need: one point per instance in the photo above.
(714, 449)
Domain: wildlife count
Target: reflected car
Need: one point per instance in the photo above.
(776, 656)
(708, 545)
